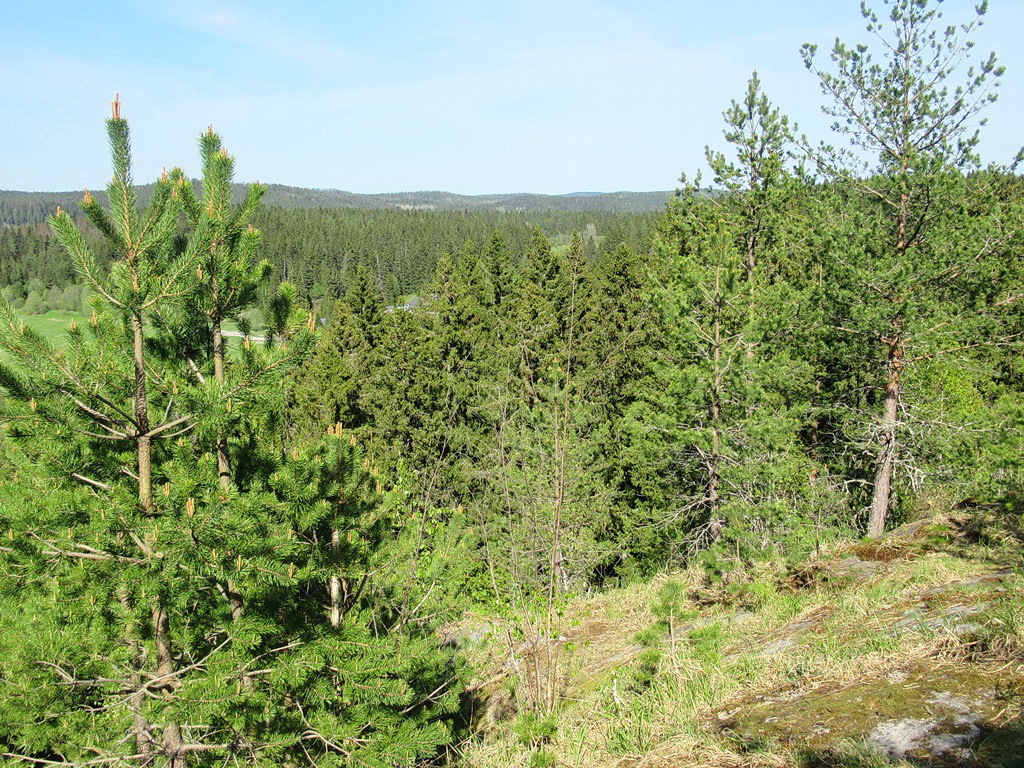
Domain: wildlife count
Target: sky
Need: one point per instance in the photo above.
(466, 96)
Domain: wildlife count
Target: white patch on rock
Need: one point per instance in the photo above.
(897, 738)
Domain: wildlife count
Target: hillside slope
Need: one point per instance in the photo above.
(908, 652)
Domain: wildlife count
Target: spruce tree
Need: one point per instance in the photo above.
(324, 389)
(546, 508)
(704, 315)
(618, 348)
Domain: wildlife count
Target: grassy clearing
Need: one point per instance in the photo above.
(53, 325)
(682, 673)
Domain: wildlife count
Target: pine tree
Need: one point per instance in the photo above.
(232, 279)
(119, 585)
(904, 281)
(109, 394)
(755, 181)
(733, 385)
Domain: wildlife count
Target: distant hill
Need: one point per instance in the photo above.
(627, 202)
(18, 208)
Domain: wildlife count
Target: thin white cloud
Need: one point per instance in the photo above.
(547, 96)
(264, 34)
(220, 20)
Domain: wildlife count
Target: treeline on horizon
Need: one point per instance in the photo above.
(246, 553)
(319, 249)
(27, 208)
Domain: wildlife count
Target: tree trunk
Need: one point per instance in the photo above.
(172, 741)
(717, 385)
(751, 267)
(334, 585)
(143, 441)
(815, 426)
(141, 728)
(234, 598)
(223, 460)
(886, 461)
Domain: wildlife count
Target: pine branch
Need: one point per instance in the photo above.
(86, 553)
(90, 481)
(163, 221)
(1005, 342)
(74, 243)
(168, 425)
(99, 218)
(159, 682)
(430, 696)
(102, 418)
(173, 283)
(76, 763)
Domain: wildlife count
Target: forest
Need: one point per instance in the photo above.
(279, 452)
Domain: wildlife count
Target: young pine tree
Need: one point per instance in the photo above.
(915, 274)
(128, 562)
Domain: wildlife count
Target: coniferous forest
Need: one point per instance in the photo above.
(280, 452)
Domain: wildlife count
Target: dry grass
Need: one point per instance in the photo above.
(819, 632)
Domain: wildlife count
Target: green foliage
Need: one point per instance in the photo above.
(900, 285)
(651, 637)
(216, 556)
(669, 601)
(536, 730)
(186, 588)
(324, 389)
(647, 666)
(705, 644)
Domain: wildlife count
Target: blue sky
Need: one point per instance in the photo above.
(467, 96)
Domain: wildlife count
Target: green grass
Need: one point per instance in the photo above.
(53, 325)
